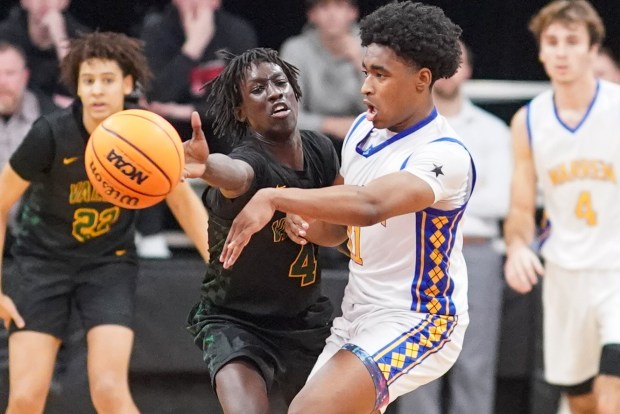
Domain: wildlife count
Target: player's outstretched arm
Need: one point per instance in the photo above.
(12, 187)
(232, 177)
(522, 266)
(349, 205)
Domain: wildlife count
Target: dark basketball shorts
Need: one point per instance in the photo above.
(284, 355)
(44, 291)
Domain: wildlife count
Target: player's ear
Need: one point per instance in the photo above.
(423, 80)
(128, 84)
(240, 114)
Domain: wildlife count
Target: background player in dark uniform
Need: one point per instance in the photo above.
(263, 320)
(72, 245)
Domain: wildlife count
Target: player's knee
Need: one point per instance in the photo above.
(27, 400)
(108, 392)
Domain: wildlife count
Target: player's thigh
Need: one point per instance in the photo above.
(404, 350)
(105, 293)
(32, 356)
(109, 350)
(342, 385)
(41, 290)
(571, 337)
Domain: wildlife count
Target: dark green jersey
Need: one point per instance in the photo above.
(62, 214)
(274, 277)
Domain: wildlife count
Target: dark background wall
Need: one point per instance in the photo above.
(496, 30)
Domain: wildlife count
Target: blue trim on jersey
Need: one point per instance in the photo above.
(432, 287)
(411, 349)
(402, 134)
(585, 116)
(528, 122)
(356, 123)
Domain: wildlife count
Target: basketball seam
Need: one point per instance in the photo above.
(116, 134)
(158, 126)
(102, 165)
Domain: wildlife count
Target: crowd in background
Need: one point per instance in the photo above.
(182, 39)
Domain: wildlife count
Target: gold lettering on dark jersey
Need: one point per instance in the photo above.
(582, 169)
(277, 227)
(83, 192)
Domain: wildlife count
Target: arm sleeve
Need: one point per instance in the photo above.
(446, 167)
(34, 157)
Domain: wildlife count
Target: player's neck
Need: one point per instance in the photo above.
(574, 95)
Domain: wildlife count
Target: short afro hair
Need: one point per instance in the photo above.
(421, 35)
(224, 92)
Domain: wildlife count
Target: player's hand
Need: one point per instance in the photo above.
(522, 268)
(196, 150)
(296, 227)
(254, 216)
(8, 312)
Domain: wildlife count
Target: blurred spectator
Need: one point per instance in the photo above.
(42, 28)
(19, 108)
(469, 387)
(607, 66)
(181, 44)
(328, 54)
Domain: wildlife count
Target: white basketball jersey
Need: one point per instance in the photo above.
(578, 172)
(412, 261)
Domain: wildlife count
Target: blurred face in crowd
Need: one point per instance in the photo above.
(566, 52)
(13, 80)
(102, 89)
(605, 68)
(190, 6)
(449, 88)
(38, 8)
(333, 17)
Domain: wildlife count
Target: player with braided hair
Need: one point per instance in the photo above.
(263, 320)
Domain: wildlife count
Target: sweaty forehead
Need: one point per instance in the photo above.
(262, 70)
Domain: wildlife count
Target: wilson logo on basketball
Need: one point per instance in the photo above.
(126, 167)
(122, 200)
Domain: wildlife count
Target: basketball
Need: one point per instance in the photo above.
(134, 158)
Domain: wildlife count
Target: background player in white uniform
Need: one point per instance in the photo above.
(407, 180)
(568, 139)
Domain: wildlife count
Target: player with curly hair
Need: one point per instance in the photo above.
(407, 180)
(73, 247)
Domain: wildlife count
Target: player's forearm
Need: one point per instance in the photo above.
(326, 234)
(231, 176)
(519, 228)
(191, 216)
(349, 205)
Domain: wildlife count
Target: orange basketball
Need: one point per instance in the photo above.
(134, 158)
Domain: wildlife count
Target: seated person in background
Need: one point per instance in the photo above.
(19, 108)
(181, 44)
(42, 28)
(607, 66)
(328, 54)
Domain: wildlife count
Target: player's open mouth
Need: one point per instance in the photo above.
(280, 110)
(371, 113)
